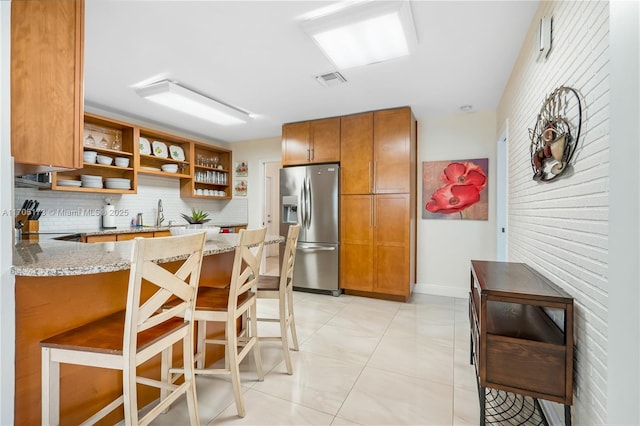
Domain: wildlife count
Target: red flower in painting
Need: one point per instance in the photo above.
(453, 198)
(466, 173)
(463, 183)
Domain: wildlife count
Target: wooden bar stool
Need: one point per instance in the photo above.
(229, 305)
(126, 339)
(281, 288)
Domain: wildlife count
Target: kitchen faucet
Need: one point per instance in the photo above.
(160, 214)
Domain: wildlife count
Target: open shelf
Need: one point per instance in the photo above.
(520, 321)
(211, 174)
(204, 170)
(107, 137)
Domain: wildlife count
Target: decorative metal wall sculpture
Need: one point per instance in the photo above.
(556, 134)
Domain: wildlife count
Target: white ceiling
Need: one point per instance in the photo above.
(253, 54)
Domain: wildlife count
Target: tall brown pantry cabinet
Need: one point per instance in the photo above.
(378, 203)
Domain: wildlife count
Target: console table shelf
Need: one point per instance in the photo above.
(521, 333)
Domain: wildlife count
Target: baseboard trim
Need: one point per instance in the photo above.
(441, 290)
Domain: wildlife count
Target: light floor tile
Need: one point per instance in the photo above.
(384, 398)
(411, 327)
(338, 421)
(264, 409)
(317, 382)
(363, 317)
(342, 343)
(214, 395)
(412, 357)
(361, 362)
(466, 407)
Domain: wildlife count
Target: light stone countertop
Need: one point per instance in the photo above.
(134, 229)
(49, 258)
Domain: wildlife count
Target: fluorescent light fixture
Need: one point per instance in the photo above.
(364, 33)
(187, 101)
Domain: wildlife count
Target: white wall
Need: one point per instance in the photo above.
(560, 228)
(7, 321)
(623, 350)
(72, 211)
(256, 153)
(446, 247)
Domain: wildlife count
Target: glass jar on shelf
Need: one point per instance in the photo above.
(116, 145)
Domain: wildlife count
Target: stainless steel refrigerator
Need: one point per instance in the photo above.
(309, 197)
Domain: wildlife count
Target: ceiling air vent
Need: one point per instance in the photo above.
(331, 79)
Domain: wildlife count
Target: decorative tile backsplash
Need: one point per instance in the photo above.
(74, 211)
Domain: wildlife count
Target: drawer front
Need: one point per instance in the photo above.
(525, 365)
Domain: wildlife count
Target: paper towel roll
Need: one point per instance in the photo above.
(109, 217)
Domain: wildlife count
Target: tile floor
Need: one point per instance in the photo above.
(361, 362)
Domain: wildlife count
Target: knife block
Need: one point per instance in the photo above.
(31, 227)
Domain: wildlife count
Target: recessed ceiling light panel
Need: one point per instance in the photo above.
(174, 96)
(365, 33)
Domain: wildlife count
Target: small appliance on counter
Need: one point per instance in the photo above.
(109, 216)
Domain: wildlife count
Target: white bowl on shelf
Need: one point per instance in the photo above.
(89, 156)
(122, 162)
(103, 159)
(211, 231)
(169, 168)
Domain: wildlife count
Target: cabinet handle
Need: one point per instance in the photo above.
(373, 183)
(312, 155)
(369, 176)
(308, 154)
(372, 216)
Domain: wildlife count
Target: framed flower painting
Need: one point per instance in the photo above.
(456, 190)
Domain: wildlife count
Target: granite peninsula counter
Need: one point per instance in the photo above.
(61, 285)
(48, 258)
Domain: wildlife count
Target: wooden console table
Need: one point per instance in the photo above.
(521, 333)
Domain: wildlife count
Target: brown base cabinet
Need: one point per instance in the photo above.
(375, 248)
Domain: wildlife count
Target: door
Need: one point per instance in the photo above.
(391, 218)
(47, 54)
(325, 141)
(501, 198)
(356, 242)
(291, 184)
(321, 204)
(316, 266)
(270, 215)
(356, 154)
(295, 143)
(392, 151)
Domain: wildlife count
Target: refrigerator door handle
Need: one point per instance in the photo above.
(316, 248)
(301, 206)
(308, 202)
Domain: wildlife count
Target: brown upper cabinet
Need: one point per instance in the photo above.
(378, 152)
(47, 48)
(311, 142)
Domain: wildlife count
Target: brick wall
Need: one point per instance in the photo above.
(561, 228)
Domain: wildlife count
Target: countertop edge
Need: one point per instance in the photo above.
(66, 258)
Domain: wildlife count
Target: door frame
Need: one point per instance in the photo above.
(274, 202)
(502, 191)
